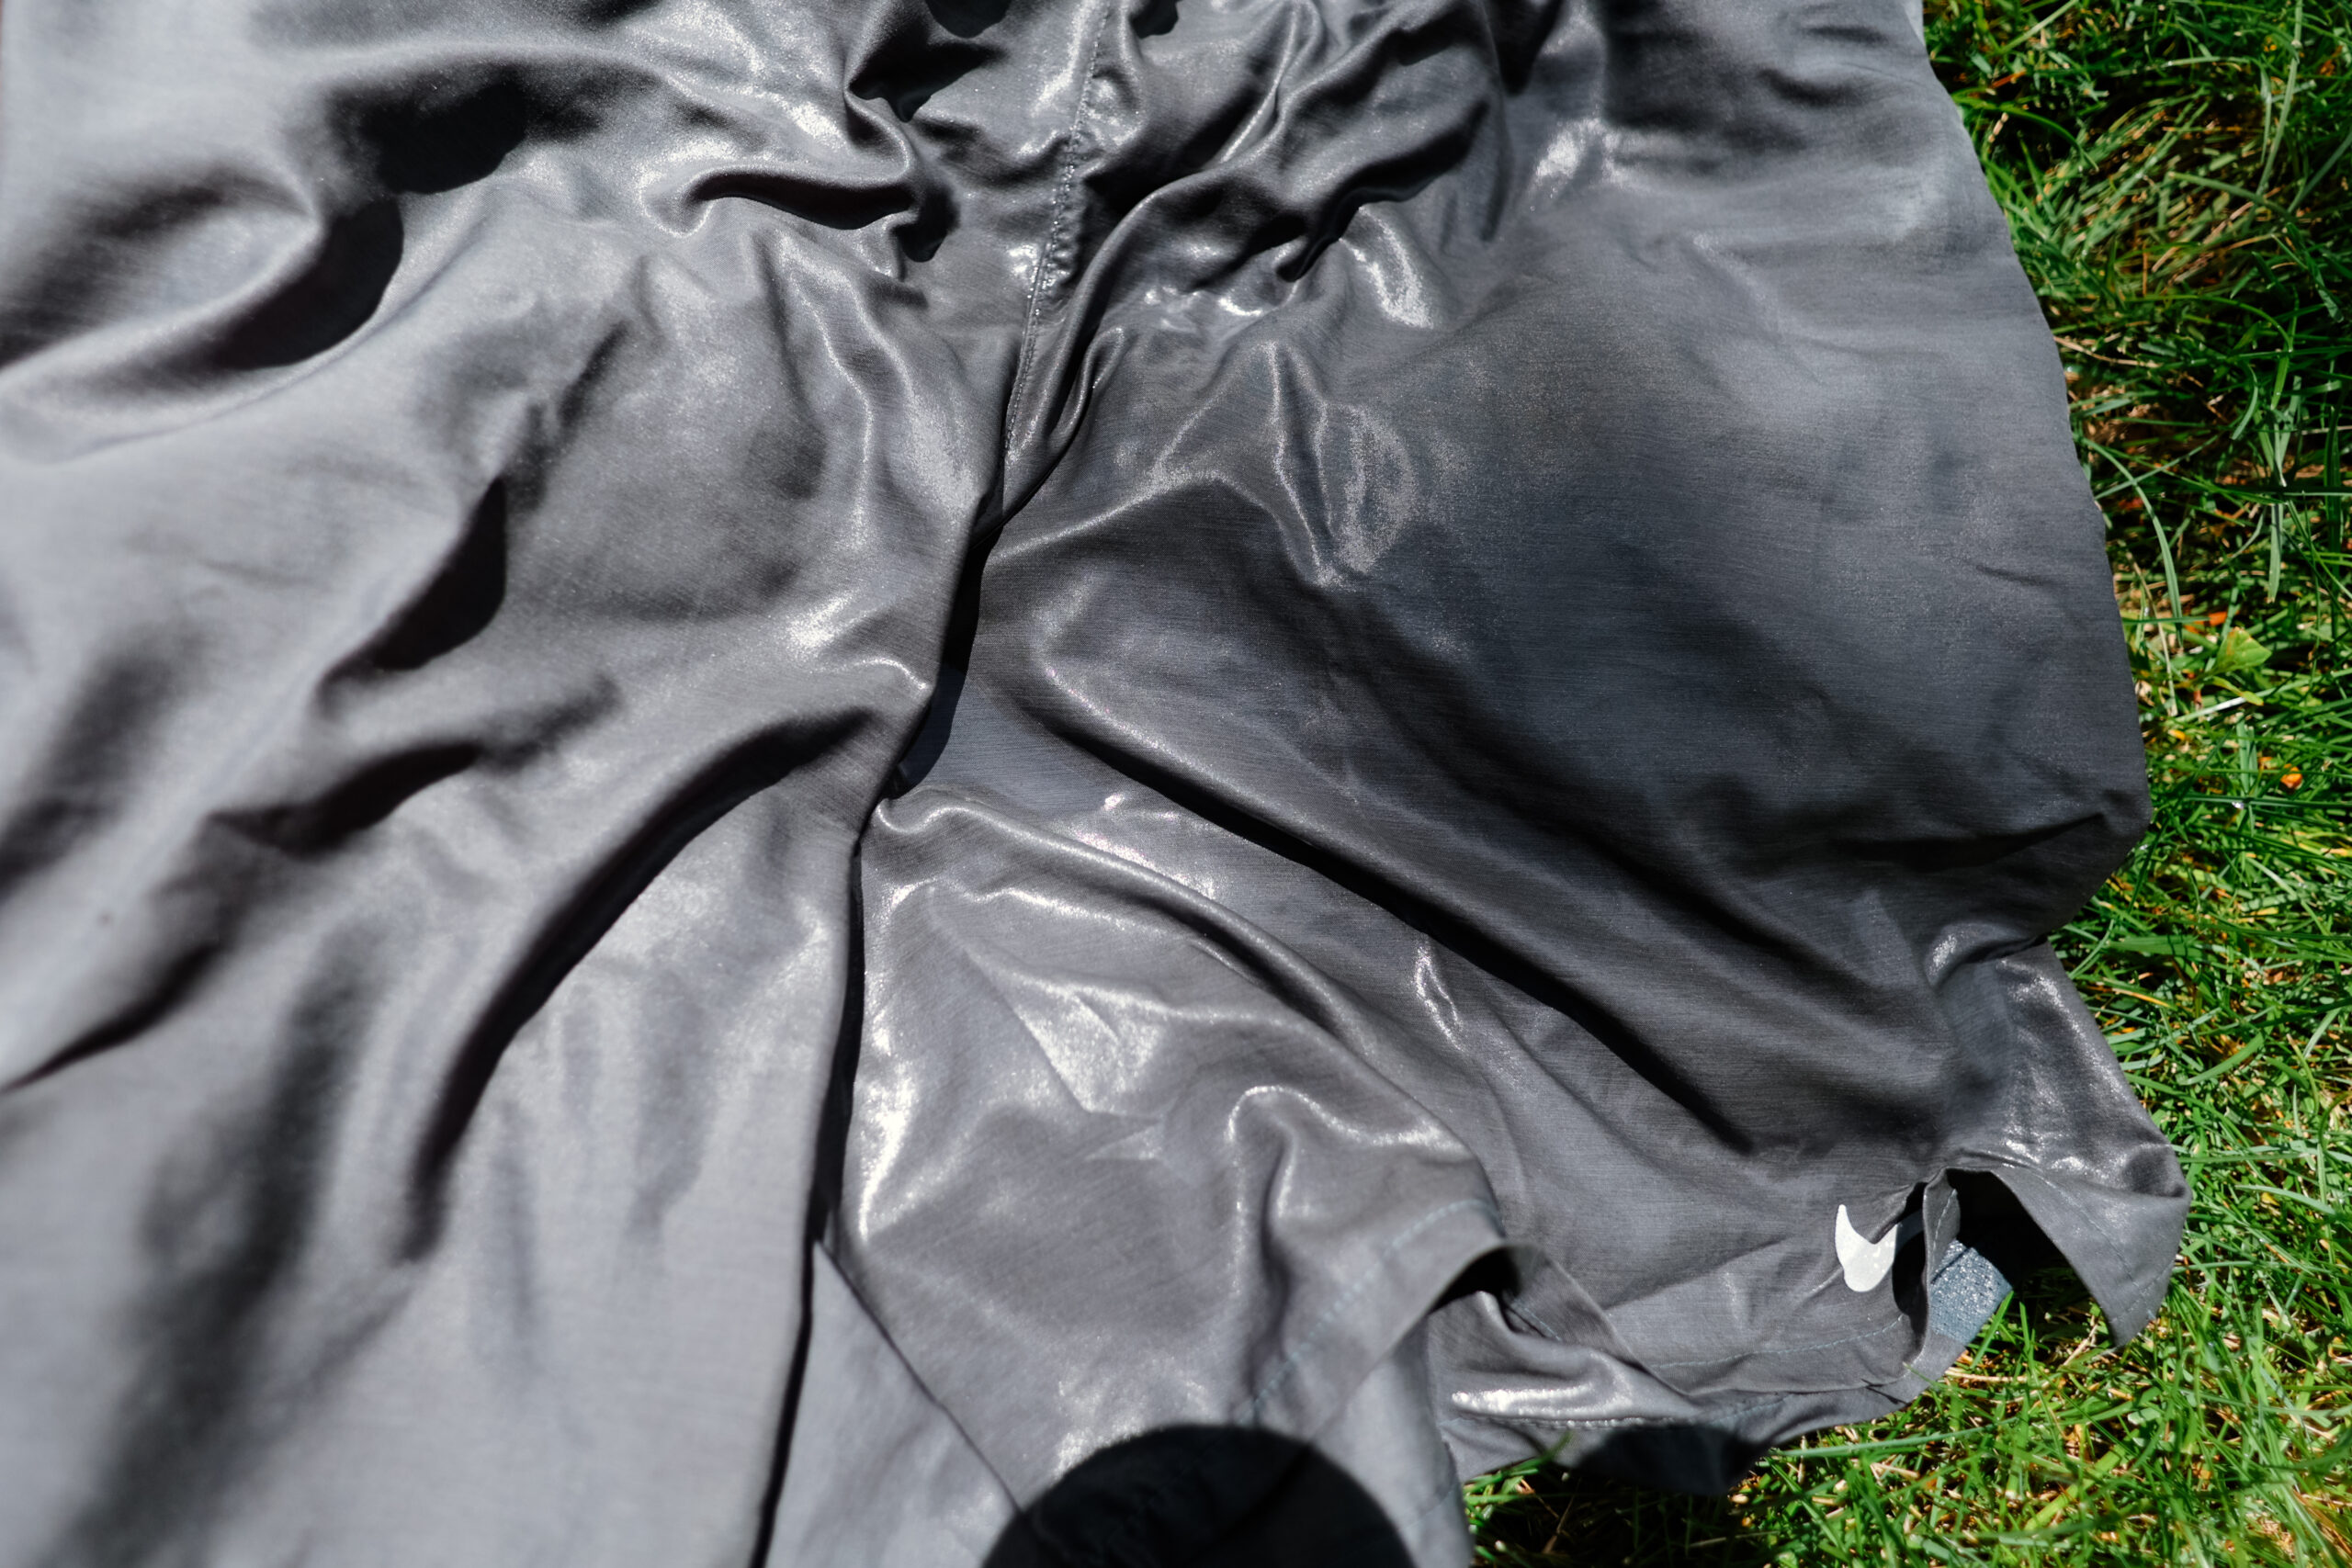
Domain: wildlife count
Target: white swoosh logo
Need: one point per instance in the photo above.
(1865, 1263)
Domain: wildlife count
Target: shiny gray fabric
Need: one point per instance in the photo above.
(976, 783)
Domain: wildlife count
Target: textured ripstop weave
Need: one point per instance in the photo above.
(1017, 782)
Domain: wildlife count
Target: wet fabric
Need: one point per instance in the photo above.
(1019, 782)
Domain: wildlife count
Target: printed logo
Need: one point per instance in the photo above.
(1865, 1262)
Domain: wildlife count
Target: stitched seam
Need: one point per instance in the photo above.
(1788, 1350)
(1062, 188)
(1550, 1333)
(1363, 1282)
(1591, 1423)
(1541, 1327)
(1946, 1267)
(921, 1387)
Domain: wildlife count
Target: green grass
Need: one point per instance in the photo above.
(2178, 178)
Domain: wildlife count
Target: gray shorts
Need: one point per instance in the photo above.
(917, 783)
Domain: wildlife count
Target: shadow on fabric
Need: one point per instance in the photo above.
(1203, 1497)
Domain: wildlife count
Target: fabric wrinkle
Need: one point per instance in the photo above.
(980, 783)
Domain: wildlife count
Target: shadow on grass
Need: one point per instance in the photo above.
(1559, 1516)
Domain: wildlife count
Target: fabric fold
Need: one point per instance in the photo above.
(1139, 759)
